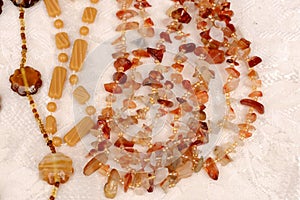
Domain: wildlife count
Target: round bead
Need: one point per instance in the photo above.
(90, 110)
(73, 79)
(58, 24)
(94, 1)
(63, 57)
(51, 107)
(84, 30)
(57, 141)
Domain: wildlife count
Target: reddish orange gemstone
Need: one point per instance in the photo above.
(211, 168)
(157, 54)
(175, 26)
(165, 103)
(233, 72)
(157, 146)
(126, 14)
(178, 67)
(148, 22)
(200, 51)
(169, 84)
(243, 43)
(140, 53)
(215, 56)
(108, 112)
(121, 77)
(245, 134)
(187, 48)
(142, 4)
(254, 104)
(165, 36)
(202, 97)
(177, 111)
(205, 35)
(251, 117)
(122, 64)
(127, 181)
(255, 60)
(33, 78)
(113, 88)
(255, 94)
(122, 142)
(181, 15)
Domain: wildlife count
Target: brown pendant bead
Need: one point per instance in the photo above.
(24, 3)
(33, 78)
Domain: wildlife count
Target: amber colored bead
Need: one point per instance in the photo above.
(84, 30)
(122, 142)
(215, 56)
(107, 112)
(233, 72)
(73, 79)
(63, 57)
(157, 54)
(57, 141)
(255, 60)
(58, 24)
(90, 110)
(254, 104)
(181, 15)
(94, 1)
(127, 181)
(211, 168)
(122, 63)
(120, 77)
(51, 107)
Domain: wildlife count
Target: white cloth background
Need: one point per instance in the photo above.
(267, 167)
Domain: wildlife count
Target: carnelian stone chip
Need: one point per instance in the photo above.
(255, 60)
(121, 77)
(181, 15)
(156, 53)
(122, 63)
(254, 104)
(211, 168)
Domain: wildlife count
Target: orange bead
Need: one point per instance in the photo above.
(94, 1)
(63, 57)
(58, 24)
(84, 30)
(73, 79)
(51, 107)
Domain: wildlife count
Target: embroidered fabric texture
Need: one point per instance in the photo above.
(267, 167)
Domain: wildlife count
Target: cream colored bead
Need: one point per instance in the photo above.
(58, 24)
(73, 79)
(90, 110)
(51, 107)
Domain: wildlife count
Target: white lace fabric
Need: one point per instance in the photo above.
(266, 167)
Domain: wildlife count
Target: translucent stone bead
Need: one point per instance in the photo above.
(185, 170)
(211, 168)
(160, 175)
(94, 164)
(57, 141)
(230, 86)
(73, 79)
(90, 110)
(111, 186)
(84, 30)
(127, 181)
(56, 167)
